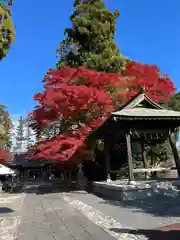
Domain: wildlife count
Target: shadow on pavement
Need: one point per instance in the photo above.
(4, 210)
(156, 234)
(164, 203)
(47, 188)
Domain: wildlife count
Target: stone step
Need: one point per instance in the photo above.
(139, 190)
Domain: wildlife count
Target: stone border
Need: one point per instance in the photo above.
(140, 190)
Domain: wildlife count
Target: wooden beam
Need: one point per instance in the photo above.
(148, 170)
(152, 131)
(141, 131)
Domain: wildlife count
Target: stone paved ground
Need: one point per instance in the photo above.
(10, 212)
(145, 215)
(49, 217)
(82, 216)
(106, 222)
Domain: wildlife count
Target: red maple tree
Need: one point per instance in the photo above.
(157, 86)
(5, 155)
(82, 99)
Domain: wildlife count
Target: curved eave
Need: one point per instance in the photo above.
(145, 118)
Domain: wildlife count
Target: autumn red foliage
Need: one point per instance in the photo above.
(157, 86)
(83, 99)
(5, 155)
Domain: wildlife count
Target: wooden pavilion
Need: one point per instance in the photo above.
(141, 120)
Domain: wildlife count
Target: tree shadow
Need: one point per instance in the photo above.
(46, 190)
(164, 203)
(153, 234)
(49, 188)
(4, 210)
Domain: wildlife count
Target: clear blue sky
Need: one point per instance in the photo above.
(147, 31)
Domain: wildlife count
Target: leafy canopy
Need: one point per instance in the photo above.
(5, 127)
(7, 30)
(90, 41)
(81, 100)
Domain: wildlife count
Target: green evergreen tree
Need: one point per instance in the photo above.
(28, 135)
(90, 42)
(5, 127)
(7, 31)
(174, 104)
(7, 34)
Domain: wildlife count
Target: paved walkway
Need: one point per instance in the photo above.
(10, 212)
(149, 213)
(83, 216)
(49, 217)
(138, 219)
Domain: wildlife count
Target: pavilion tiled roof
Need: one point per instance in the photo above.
(141, 112)
(142, 107)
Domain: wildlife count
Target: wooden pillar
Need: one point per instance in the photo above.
(129, 157)
(65, 176)
(70, 178)
(107, 159)
(175, 153)
(25, 174)
(143, 154)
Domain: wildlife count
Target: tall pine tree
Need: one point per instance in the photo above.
(19, 135)
(90, 42)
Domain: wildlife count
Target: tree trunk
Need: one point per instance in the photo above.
(175, 154)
